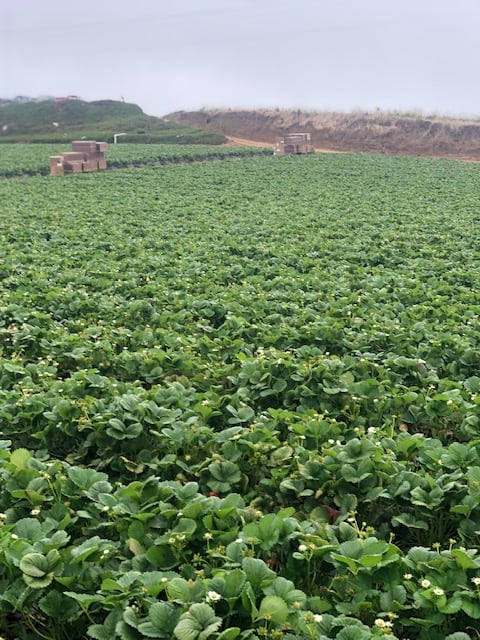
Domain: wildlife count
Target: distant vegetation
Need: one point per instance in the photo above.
(51, 121)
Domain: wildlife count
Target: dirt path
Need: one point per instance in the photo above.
(241, 142)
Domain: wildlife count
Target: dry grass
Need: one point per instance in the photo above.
(390, 133)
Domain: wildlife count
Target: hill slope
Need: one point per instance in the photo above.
(376, 133)
(52, 121)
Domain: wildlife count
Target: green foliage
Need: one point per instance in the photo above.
(240, 400)
(50, 121)
(33, 159)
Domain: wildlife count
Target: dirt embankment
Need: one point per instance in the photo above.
(372, 133)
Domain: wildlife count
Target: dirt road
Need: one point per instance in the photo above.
(241, 142)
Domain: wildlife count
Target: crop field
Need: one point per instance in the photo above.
(33, 159)
(241, 399)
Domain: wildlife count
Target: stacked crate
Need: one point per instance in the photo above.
(56, 165)
(85, 156)
(293, 143)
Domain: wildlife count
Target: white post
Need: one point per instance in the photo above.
(116, 135)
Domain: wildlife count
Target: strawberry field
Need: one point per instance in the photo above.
(241, 399)
(33, 159)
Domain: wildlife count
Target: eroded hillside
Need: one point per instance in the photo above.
(377, 133)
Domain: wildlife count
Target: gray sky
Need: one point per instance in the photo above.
(167, 55)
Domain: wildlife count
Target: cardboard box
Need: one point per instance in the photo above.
(90, 165)
(73, 156)
(56, 160)
(73, 167)
(87, 146)
(56, 165)
(97, 161)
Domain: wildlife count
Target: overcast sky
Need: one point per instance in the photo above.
(167, 55)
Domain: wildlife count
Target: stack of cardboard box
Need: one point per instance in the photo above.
(86, 155)
(295, 143)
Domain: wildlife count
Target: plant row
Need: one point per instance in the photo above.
(82, 556)
(241, 399)
(33, 159)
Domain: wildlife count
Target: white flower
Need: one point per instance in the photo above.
(35, 512)
(302, 548)
(213, 596)
(407, 576)
(14, 536)
(371, 430)
(476, 581)
(425, 583)
(239, 541)
(207, 536)
(380, 623)
(438, 592)
(317, 617)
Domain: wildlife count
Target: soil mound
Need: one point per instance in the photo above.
(363, 132)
